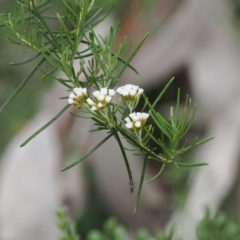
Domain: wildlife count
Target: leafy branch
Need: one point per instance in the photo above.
(100, 67)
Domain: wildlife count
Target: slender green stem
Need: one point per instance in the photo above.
(124, 156)
(140, 185)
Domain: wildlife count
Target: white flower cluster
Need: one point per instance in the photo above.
(78, 96)
(136, 120)
(102, 98)
(130, 92)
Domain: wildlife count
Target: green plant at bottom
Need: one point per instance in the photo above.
(220, 227)
(66, 226)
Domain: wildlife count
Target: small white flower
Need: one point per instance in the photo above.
(103, 98)
(77, 96)
(130, 92)
(136, 120)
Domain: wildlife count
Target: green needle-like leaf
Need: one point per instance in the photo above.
(45, 126)
(196, 144)
(129, 60)
(88, 154)
(21, 86)
(162, 92)
(124, 156)
(191, 164)
(140, 185)
(158, 174)
(27, 61)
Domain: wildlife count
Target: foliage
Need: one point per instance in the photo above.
(219, 227)
(66, 226)
(99, 68)
(112, 230)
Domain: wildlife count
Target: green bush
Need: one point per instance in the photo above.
(219, 227)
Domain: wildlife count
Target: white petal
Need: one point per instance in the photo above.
(84, 91)
(90, 101)
(103, 91)
(132, 92)
(125, 93)
(100, 105)
(72, 95)
(100, 97)
(137, 124)
(138, 115)
(70, 101)
(77, 91)
(108, 99)
(127, 119)
(96, 94)
(129, 125)
(129, 86)
(145, 115)
(119, 90)
(133, 116)
(111, 92)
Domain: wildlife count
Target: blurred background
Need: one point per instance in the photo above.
(137, 17)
